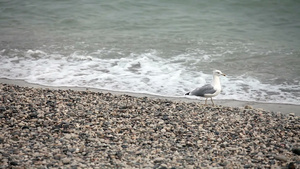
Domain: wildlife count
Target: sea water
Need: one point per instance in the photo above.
(161, 47)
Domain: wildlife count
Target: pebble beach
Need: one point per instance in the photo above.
(48, 128)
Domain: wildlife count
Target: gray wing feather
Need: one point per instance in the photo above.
(201, 91)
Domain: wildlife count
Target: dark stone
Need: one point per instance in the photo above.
(15, 110)
(57, 157)
(291, 166)
(14, 163)
(124, 146)
(163, 167)
(65, 125)
(50, 165)
(2, 109)
(248, 166)
(65, 131)
(15, 138)
(272, 162)
(174, 149)
(119, 155)
(203, 165)
(25, 127)
(165, 117)
(296, 151)
(179, 108)
(69, 104)
(72, 150)
(33, 115)
(222, 145)
(74, 166)
(51, 103)
(123, 107)
(223, 164)
(55, 130)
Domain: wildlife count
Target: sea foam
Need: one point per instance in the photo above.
(137, 72)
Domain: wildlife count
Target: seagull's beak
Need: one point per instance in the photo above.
(223, 74)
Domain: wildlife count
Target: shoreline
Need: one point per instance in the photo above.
(274, 107)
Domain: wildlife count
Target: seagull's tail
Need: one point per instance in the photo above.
(188, 93)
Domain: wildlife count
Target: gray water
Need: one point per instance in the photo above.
(161, 47)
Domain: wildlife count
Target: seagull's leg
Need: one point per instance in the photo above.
(205, 101)
(212, 101)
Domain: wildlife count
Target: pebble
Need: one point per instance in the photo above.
(291, 166)
(248, 107)
(44, 128)
(158, 160)
(281, 157)
(66, 160)
(296, 151)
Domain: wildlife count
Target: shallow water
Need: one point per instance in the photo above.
(159, 47)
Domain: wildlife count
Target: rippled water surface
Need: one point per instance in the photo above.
(159, 47)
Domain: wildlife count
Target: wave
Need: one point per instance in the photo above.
(145, 72)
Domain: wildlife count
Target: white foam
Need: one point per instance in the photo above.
(135, 72)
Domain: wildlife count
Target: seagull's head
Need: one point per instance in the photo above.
(218, 73)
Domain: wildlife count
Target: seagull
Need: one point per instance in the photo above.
(209, 90)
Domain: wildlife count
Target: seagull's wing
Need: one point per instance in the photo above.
(201, 91)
